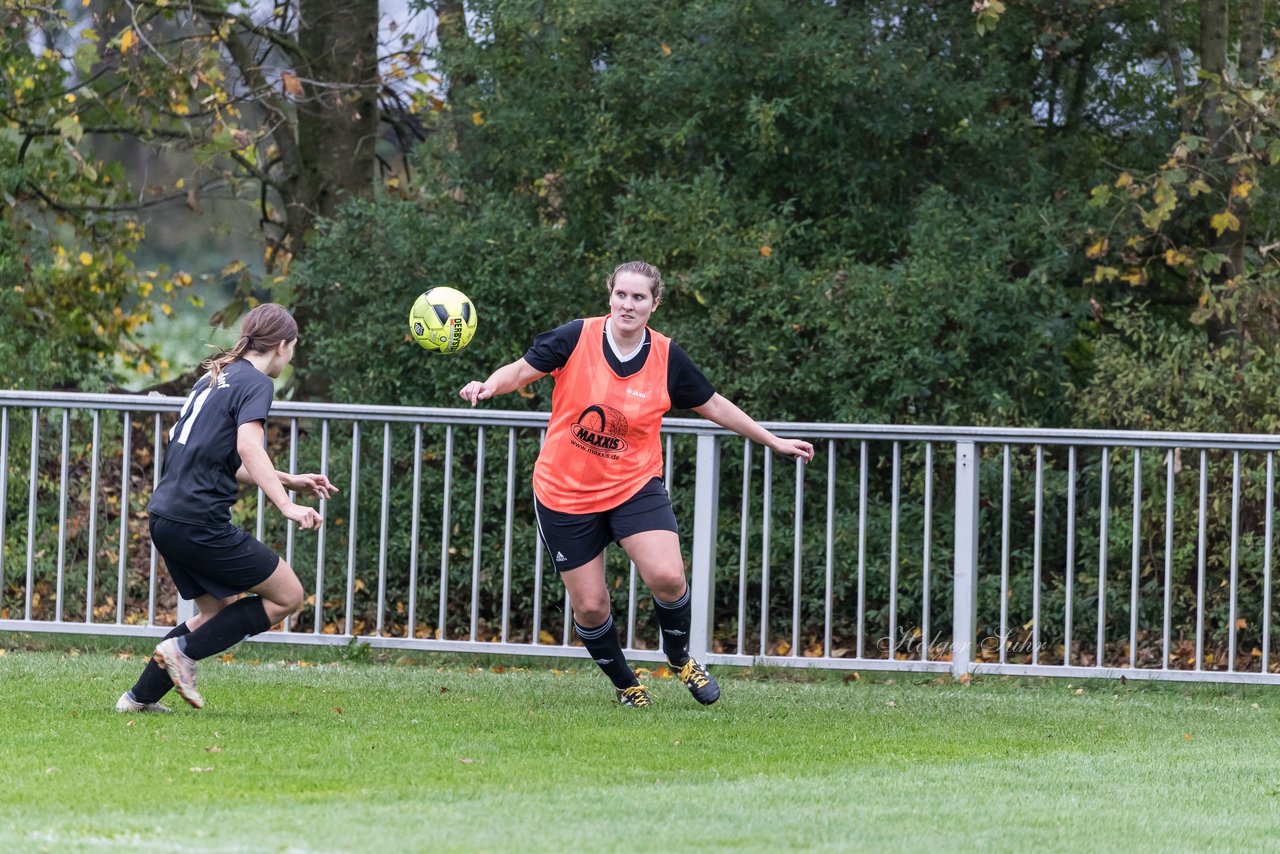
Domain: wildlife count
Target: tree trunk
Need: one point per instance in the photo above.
(1173, 48)
(338, 115)
(337, 134)
(1214, 20)
(452, 31)
(1252, 23)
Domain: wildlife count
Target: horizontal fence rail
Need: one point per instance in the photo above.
(944, 550)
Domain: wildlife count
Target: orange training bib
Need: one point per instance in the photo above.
(603, 440)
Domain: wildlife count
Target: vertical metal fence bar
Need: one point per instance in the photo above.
(126, 452)
(1135, 557)
(1005, 512)
(157, 465)
(631, 604)
(90, 575)
(59, 587)
(537, 573)
(895, 512)
(1168, 555)
(744, 527)
(414, 527)
(1069, 575)
(509, 525)
(32, 490)
(766, 535)
(1038, 531)
(1235, 539)
(293, 494)
(384, 522)
(443, 605)
(828, 587)
(928, 548)
(706, 511)
(862, 544)
(798, 551)
(1104, 511)
(353, 519)
(1266, 566)
(318, 626)
(4, 492)
(568, 618)
(477, 529)
(965, 599)
(1200, 557)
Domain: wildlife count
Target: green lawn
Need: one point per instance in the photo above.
(426, 754)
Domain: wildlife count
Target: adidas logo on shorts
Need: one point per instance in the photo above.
(560, 556)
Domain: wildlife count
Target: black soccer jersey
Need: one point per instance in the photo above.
(687, 386)
(198, 485)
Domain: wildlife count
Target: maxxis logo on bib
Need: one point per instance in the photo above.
(600, 430)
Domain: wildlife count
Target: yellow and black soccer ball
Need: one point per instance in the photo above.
(443, 320)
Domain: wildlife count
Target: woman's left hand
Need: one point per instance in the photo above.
(316, 484)
(795, 448)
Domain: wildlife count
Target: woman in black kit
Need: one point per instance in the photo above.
(216, 445)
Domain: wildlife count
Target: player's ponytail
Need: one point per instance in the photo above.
(263, 329)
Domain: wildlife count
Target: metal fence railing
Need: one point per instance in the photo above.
(949, 550)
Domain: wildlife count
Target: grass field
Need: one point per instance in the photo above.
(395, 753)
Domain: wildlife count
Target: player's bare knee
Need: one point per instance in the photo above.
(668, 585)
(591, 613)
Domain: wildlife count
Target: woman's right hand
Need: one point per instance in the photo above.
(306, 517)
(475, 391)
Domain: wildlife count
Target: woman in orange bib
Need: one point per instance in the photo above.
(598, 477)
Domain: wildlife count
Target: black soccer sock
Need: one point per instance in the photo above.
(241, 619)
(674, 618)
(602, 643)
(154, 682)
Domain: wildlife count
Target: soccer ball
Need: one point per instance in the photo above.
(443, 320)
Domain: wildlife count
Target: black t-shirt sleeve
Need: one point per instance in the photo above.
(551, 350)
(686, 384)
(255, 400)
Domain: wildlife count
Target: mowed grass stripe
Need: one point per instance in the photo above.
(369, 756)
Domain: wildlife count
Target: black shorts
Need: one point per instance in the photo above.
(573, 539)
(221, 561)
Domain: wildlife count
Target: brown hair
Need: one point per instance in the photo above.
(262, 330)
(649, 271)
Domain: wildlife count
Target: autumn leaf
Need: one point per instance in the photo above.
(1124, 180)
(1198, 187)
(666, 51)
(1098, 249)
(766, 251)
(127, 40)
(1241, 190)
(1225, 221)
(477, 118)
(1134, 276)
(292, 85)
(545, 636)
